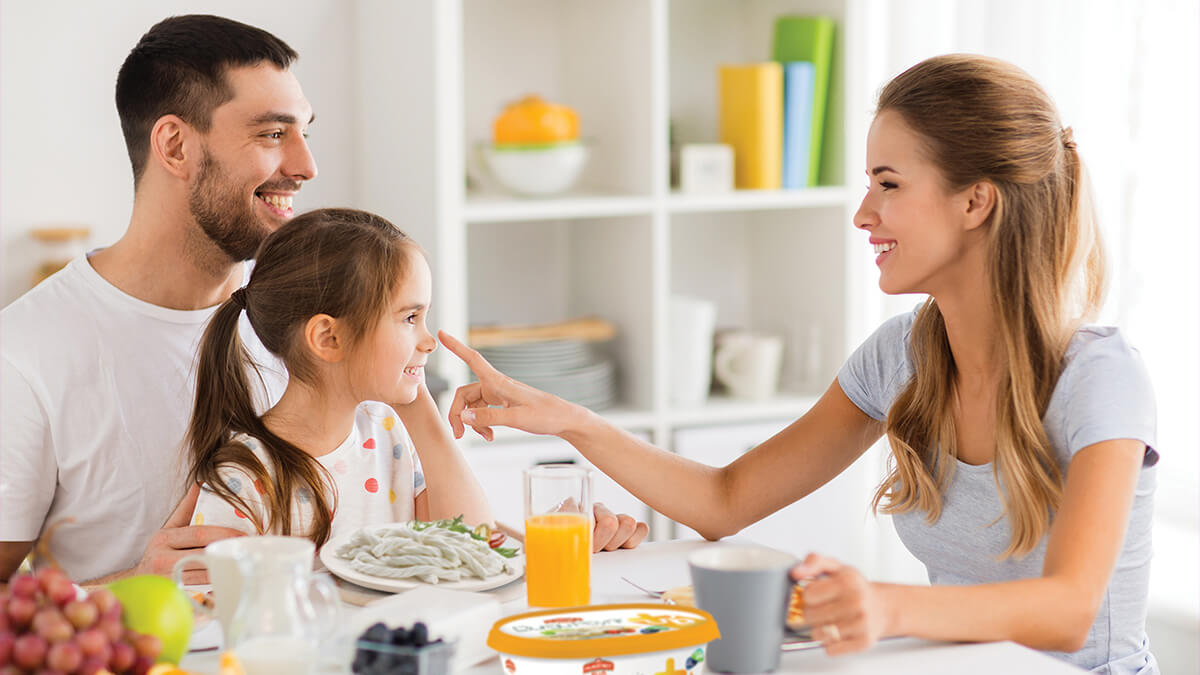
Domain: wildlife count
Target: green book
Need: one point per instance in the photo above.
(809, 38)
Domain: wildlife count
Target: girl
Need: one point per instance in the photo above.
(341, 297)
(1022, 441)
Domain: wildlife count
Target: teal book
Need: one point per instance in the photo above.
(798, 78)
(809, 38)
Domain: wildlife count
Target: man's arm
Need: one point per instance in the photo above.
(175, 540)
(30, 472)
(11, 555)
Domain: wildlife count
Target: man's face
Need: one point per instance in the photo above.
(254, 159)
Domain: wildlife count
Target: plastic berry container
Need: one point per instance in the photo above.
(381, 658)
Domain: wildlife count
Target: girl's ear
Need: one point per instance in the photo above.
(981, 201)
(322, 338)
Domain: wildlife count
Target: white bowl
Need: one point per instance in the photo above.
(536, 171)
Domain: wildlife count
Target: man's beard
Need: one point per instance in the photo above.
(223, 214)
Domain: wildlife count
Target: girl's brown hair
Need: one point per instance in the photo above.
(340, 262)
(982, 119)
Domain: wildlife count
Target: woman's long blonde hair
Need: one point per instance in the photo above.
(981, 119)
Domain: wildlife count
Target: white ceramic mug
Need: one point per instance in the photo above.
(691, 337)
(748, 364)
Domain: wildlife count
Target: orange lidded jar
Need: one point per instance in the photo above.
(622, 639)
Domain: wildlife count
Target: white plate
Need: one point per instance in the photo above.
(342, 569)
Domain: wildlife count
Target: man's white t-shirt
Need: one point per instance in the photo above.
(96, 392)
(375, 472)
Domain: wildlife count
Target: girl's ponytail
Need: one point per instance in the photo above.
(224, 403)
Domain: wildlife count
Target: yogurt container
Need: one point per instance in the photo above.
(624, 639)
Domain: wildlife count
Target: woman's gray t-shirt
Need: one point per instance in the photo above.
(1103, 393)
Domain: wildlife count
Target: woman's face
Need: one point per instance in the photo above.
(919, 230)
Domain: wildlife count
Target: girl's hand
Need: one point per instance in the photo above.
(847, 613)
(520, 406)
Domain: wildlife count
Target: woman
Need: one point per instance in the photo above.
(1021, 440)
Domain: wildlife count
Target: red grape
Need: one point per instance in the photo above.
(113, 613)
(24, 586)
(103, 599)
(6, 643)
(11, 670)
(61, 590)
(113, 629)
(81, 613)
(47, 576)
(21, 610)
(28, 651)
(92, 641)
(52, 625)
(142, 665)
(91, 665)
(122, 658)
(147, 645)
(64, 656)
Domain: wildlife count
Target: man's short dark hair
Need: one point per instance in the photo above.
(179, 67)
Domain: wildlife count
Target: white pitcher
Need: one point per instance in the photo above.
(277, 628)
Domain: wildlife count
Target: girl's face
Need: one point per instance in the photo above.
(919, 230)
(389, 366)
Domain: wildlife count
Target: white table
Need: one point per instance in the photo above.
(664, 565)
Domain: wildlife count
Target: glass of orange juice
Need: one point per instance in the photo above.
(558, 536)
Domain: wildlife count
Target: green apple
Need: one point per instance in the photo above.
(155, 605)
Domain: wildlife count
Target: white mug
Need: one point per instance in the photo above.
(691, 337)
(748, 364)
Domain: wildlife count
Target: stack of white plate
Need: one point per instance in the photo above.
(569, 369)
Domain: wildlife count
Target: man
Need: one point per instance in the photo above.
(96, 362)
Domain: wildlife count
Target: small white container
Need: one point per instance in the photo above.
(705, 168)
(625, 639)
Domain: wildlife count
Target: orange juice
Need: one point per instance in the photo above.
(558, 560)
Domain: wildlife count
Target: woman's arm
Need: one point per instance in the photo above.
(450, 486)
(1052, 612)
(714, 501)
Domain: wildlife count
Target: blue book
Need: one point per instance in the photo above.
(799, 81)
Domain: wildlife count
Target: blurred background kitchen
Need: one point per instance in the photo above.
(570, 168)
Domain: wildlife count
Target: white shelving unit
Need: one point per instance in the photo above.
(623, 242)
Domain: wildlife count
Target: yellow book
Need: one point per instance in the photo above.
(751, 121)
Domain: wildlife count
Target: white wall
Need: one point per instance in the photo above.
(62, 157)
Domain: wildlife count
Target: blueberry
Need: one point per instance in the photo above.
(376, 633)
(420, 634)
(401, 637)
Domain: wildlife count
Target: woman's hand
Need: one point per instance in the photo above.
(847, 613)
(521, 406)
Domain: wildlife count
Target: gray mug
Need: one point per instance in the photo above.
(746, 589)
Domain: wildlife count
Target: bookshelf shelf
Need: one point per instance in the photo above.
(758, 200)
(499, 208)
(640, 74)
